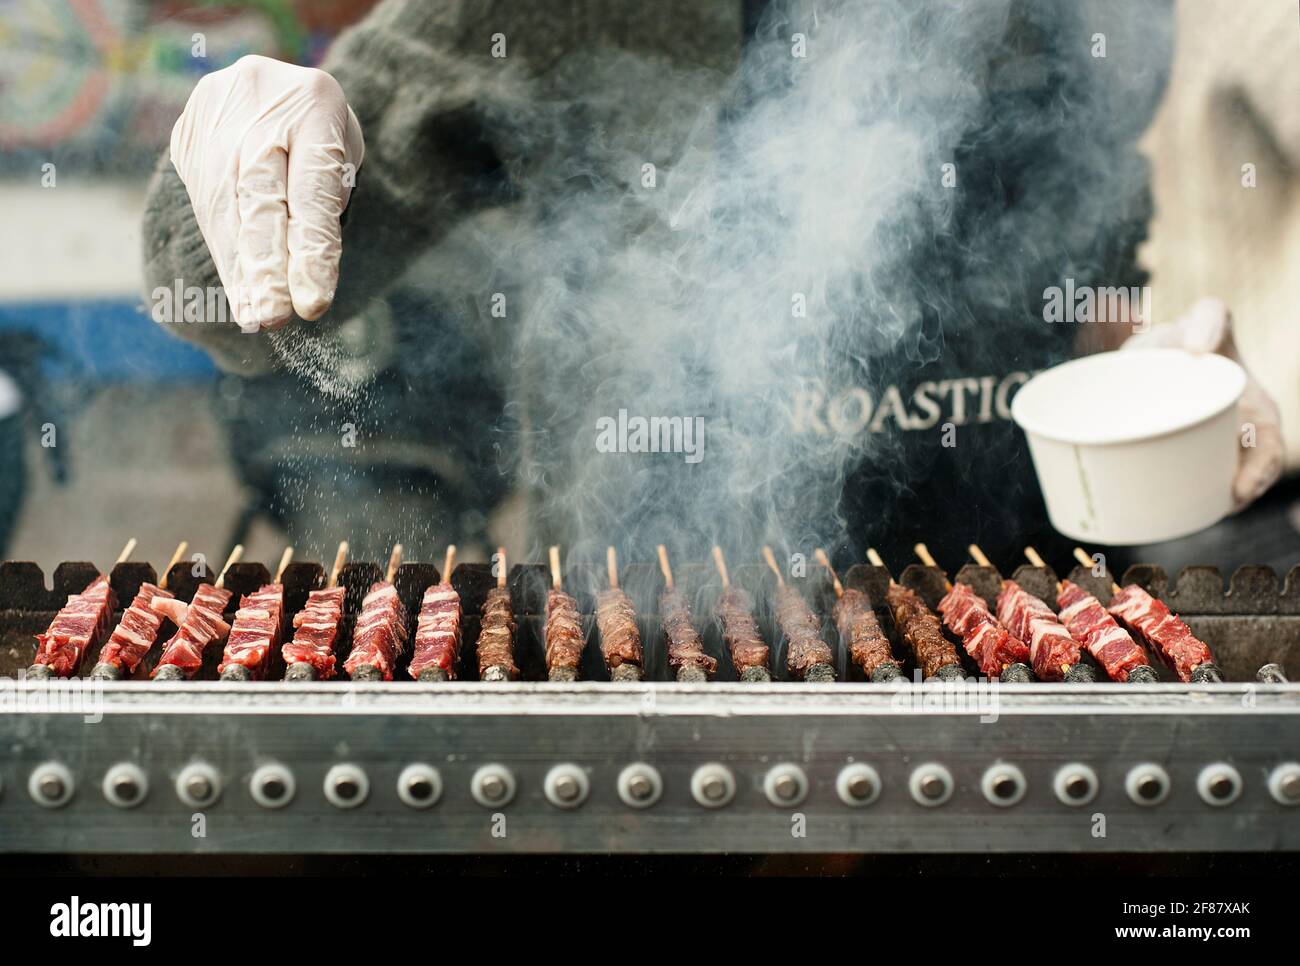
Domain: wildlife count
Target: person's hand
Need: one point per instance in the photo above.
(1207, 327)
(268, 152)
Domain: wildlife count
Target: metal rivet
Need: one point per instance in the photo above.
(493, 786)
(346, 786)
(785, 785)
(858, 785)
(1219, 784)
(1003, 784)
(272, 786)
(419, 785)
(1284, 783)
(639, 785)
(51, 785)
(198, 785)
(1075, 784)
(125, 785)
(1147, 784)
(566, 786)
(930, 784)
(713, 785)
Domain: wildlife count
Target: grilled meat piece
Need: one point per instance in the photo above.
(685, 646)
(921, 631)
(497, 633)
(620, 639)
(805, 648)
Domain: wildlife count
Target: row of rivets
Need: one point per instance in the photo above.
(713, 785)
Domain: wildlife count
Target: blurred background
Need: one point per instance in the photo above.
(108, 424)
(109, 428)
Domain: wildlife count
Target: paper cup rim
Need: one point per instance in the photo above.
(1120, 435)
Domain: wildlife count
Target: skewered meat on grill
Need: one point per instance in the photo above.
(988, 643)
(805, 648)
(685, 646)
(380, 634)
(1161, 630)
(564, 637)
(437, 633)
(256, 631)
(1094, 629)
(1052, 650)
(620, 639)
(76, 628)
(867, 645)
(497, 634)
(201, 626)
(316, 629)
(922, 632)
(740, 631)
(136, 632)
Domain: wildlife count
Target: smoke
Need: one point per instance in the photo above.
(755, 256)
(706, 248)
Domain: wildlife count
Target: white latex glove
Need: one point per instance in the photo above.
(268, 152)
(1207, 327)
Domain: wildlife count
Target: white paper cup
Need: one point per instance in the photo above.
(1135, 446)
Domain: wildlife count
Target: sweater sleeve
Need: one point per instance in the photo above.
(426, 112)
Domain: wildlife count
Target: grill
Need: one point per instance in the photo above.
(655, 765)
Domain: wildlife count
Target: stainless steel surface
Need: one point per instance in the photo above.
(258, 736)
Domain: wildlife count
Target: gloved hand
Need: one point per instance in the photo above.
(268, 152)
(1207, 327)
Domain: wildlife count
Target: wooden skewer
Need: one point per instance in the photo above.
(825, 561)
(180, 552)
(1032, 556)
(340, 556)
(394, 561)
(448, 561)
(923, 552)
(284, 562)
(232, 559)
(126, 551)
(554, 554)
(611, 565)
(664, 566)
(877, 562)
(721, 564)
(977, 555)
(501, 566)
(1081, 555)
(771, 562)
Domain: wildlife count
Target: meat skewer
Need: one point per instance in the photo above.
(807, 656)
(1096, 631)
(437, 630)
(620, 638)
(686, 656)
(496, 636)
(564, 637)
(200, 624)
(137, 631)
(380, 634)
(1162, 631)
(257, 631)
(921, 631)
(1053, 653)
(310, 655)
(79, 625)
(735, 610)
(855, 618)
(995, 650)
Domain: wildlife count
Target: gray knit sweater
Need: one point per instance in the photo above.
(449, 128)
